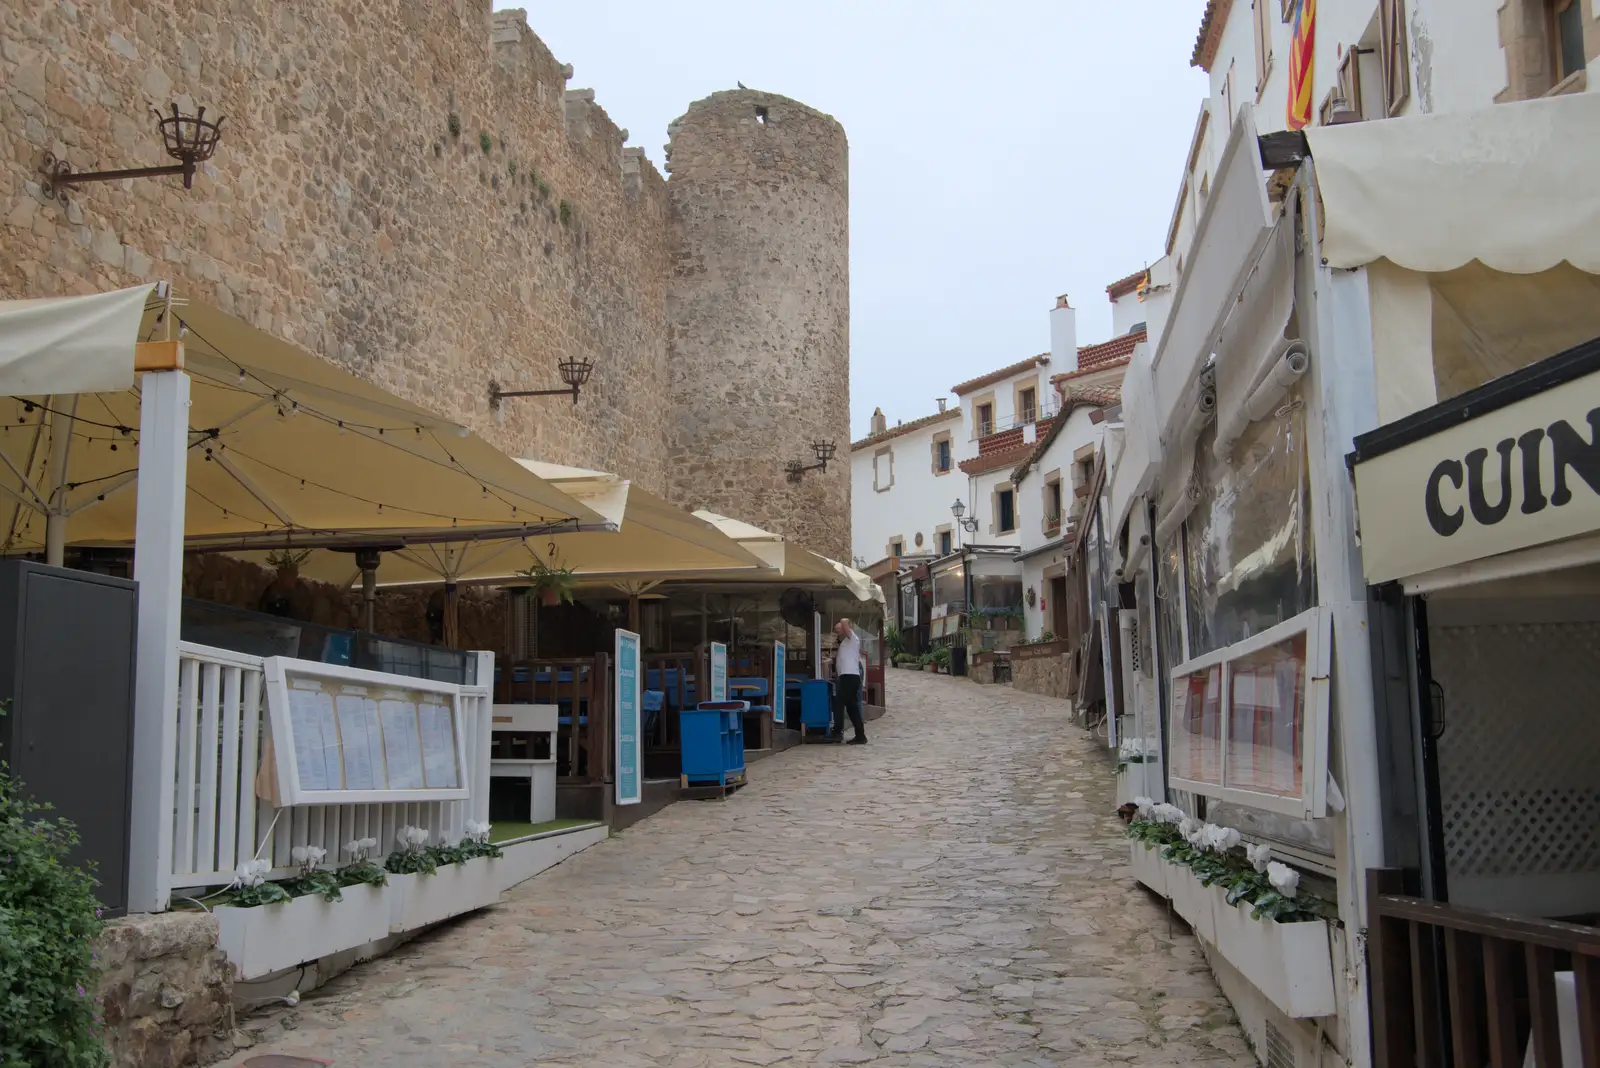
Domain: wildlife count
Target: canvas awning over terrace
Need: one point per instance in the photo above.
(283, 447)
(795, 563)
(653, 538)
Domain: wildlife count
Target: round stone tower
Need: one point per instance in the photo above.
(758, 315)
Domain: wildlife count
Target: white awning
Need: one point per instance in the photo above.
(1510, 186)
(58, 345)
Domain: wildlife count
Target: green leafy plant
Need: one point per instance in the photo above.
(511, 168)
(895, 641)
(941, 658)
(287, 561)
(362, 869)
(250, 886)
(1217, 857)
(544, 189)
(413, 857)
(49, 920)
(552, 579)
(476, 843)
(566, 213)
(485, 142)
(313, 878)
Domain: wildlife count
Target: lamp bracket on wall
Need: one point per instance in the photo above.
(795, 470)
(188, 139)
(573, 372)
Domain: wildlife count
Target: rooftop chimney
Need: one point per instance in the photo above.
(942, 402)
(879, 423)
(1063, 336)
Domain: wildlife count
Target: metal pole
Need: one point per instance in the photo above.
(158, 568)
(55, 523)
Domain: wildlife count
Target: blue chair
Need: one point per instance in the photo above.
(754, 689)
(650, 707)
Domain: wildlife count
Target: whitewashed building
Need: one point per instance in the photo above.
(1364, 316)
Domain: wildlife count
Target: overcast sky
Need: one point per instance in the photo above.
(1000, 154)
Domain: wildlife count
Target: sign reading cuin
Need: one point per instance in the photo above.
(630, 789)
(1519, 475)
(719, 672)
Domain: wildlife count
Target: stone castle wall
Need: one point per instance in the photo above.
(408, 188)
(759, 313)
(351, 207)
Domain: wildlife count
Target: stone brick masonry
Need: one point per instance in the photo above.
(409, 189)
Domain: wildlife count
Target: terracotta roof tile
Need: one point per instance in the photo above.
(1091, 357)
(1072, 398)
(994, 461)
(905, 428)
(1068, 376)
(1210, 35)
(1001, 375)
(1123, 286)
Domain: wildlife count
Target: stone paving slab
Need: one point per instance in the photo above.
(954, 893)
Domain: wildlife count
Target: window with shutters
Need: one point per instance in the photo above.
(1343, 102)
(942, 460)
(1394, 51)
(1264, 10)
(1565, 33)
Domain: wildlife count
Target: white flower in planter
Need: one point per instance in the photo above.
(1220, 839)
(1259, 856)
(1284, 879)
(1165, 813)
(252, 873)
(411, 838)
(1144, 807)
(477, 832)
(308, 857)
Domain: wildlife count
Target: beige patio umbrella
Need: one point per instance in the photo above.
(795, 563)
(652, 538)
(284, 447)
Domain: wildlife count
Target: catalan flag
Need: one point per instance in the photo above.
(1302, 56)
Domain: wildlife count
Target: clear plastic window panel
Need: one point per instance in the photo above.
(1196, 736)
(1250, 560)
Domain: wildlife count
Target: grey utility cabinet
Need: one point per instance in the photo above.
(66, 674)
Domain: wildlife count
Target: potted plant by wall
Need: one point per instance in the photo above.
(434, 882)
(1236, 897)
(285, 595)
(552, 583)
(265, 927)
(941, 660)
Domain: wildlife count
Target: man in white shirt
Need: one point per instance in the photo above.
(850, 665)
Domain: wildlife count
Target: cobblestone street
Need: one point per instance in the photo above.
(954, 893)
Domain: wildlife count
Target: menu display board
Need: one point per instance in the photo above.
(629, 778)
(719, 672)
(780, 667)
(346, 736)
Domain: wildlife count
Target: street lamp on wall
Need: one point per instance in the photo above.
(189, 139)
(795, 470)
(573, 372)
(959, 510)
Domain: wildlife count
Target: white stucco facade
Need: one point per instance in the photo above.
(898, 495)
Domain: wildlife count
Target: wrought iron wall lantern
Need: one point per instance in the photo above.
(573, 372)
(189, 139)
(959, 510)
(795, 470)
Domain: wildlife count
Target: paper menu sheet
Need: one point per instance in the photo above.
(362, 740)
(438, 747)
(402, 749)
(316, 739)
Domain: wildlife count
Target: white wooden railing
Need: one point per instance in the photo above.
(218, 821)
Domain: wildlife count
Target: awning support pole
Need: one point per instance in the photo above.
(158, 568)
(55, 523)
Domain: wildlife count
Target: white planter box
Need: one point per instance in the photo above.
(1148, 867)
(526, 859)
(270, 938)
(419, 900)
(1290, 963)
(1190, 900)
(1126, 790)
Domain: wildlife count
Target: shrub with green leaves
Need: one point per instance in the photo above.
(49, 919)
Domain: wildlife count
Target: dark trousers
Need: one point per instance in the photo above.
(848, 699)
